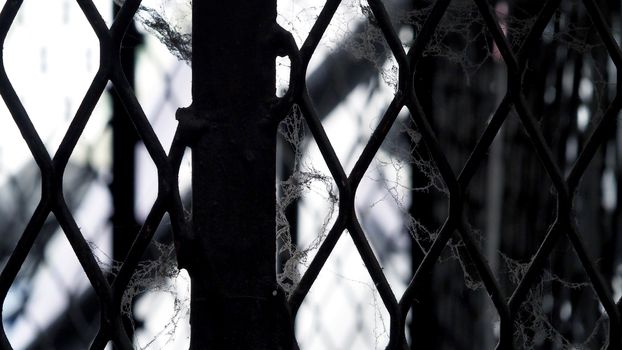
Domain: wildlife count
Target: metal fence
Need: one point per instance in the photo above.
(565, 183)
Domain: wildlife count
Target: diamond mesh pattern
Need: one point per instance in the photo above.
(53, 166)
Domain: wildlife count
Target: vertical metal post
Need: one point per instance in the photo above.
(235, 301)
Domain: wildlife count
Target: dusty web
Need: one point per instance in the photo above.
(170, 22)
(157, 275)
(460, 33)
(392, 169)
(303, 179)
(534, 325)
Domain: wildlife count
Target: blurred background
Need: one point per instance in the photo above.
(51, 54)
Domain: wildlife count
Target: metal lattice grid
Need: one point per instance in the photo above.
(34, 54)
(457, 185)
(52, 169)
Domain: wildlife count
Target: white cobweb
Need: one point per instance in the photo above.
(156, 281)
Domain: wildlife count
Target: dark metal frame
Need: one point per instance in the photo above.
(168, 199)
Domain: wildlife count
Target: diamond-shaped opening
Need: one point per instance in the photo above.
(569, 82)
(514, 204)
(453, 309)
(562, 308)
(460, 81)
(307, 197)
(351, 80)
(401, 196)
(51, 56)
(343, 309)
(510, 200)
(51, 294)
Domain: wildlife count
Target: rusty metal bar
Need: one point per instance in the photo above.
(235, 300)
